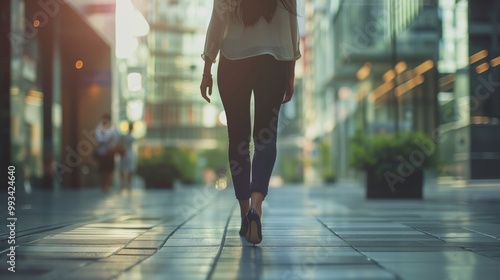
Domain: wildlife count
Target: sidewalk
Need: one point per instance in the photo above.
(309, 233)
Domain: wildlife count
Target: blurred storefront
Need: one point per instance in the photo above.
(59, 81)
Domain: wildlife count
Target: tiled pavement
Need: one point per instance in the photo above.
(309, 233)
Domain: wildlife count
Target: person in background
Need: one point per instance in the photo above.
(258, 42)
(127, 160)
(107, 137)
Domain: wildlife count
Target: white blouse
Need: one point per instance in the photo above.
(279, 37)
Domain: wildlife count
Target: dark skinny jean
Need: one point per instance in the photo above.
(266, 77)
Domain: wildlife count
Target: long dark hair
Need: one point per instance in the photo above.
(252, 10)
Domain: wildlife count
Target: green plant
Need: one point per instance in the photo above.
(388, 152)
(327, 167)
(185, 161)
(158, 171)
(291, 169)
(215, 159)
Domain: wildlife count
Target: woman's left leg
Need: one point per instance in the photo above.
(269, 91)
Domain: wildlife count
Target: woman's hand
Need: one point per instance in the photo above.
(206, 81)
(289, 90)
(206, 84)
(289, 83)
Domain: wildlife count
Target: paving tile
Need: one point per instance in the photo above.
(184, 249)
(121, 225)
(458, 257)
(118, 266)
(302, 272)
(85, 274)
(184, 275)
(67, 252)
(124, 258)
(192, 242)
(145, 252)
(87, 242)
(409, 249)
(440, 271)
(144, 244)
(285, 242)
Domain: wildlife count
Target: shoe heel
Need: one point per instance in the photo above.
(254, 232)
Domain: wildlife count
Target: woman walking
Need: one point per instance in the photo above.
(106, 136)
(259, 43)
(127, 160)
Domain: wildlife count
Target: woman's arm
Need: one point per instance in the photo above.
(294, 28)
(215, 32)
(213, 42)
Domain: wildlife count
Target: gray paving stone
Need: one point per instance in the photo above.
(66, 251)
(121, 225)
(192, 242)
(302, 272)
(136, 244)
(440, 271)
(145, 252)
(124, 258)
(87, 242)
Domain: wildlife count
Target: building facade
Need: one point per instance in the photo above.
(469, 86)
(55, 81)
(428, 66)
(373, 70)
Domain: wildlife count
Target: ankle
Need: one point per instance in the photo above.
(258, 209)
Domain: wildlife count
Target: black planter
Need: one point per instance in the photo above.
(377, 186)
(155, 183)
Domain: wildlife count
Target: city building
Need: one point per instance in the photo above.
(373, 69)
(469, 89)
(56, 82)
(422, 65)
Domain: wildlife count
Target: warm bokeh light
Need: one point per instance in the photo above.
(483, 67)
(79, 64)
(400, 67)
(364, 71)
(94, 89)
(344, 93)
(424, 67)
(381, 90)
(139, 129)
(36, 23)
(389, 75)
(409, 85)
(124, 126)
(495, 61)
(478, 56)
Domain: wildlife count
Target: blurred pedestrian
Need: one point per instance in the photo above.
(107, 137)
(127, 159)
(258, 42)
